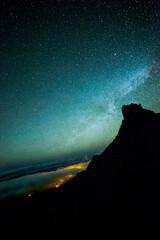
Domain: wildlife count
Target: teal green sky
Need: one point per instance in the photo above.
(67, 67)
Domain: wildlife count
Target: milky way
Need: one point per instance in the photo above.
(67, 67)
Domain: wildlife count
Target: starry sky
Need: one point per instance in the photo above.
(66, 69)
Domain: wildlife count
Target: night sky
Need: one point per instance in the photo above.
(66, 69)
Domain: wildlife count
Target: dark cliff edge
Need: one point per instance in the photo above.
(121, 186)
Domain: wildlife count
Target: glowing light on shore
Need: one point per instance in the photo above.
(57, 178)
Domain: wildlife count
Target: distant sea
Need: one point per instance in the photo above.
(35, 178)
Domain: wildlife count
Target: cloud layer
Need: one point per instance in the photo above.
(30, 184)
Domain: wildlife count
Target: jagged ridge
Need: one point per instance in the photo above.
(123, 182)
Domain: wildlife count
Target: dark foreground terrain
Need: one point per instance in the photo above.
(121, 187)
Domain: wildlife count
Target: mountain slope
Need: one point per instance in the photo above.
(123, 183)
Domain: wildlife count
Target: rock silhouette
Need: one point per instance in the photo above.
(120, 186)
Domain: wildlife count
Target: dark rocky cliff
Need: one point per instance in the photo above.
(131, 167)
(120, 186)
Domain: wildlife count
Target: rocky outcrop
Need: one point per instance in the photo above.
(130, 167)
